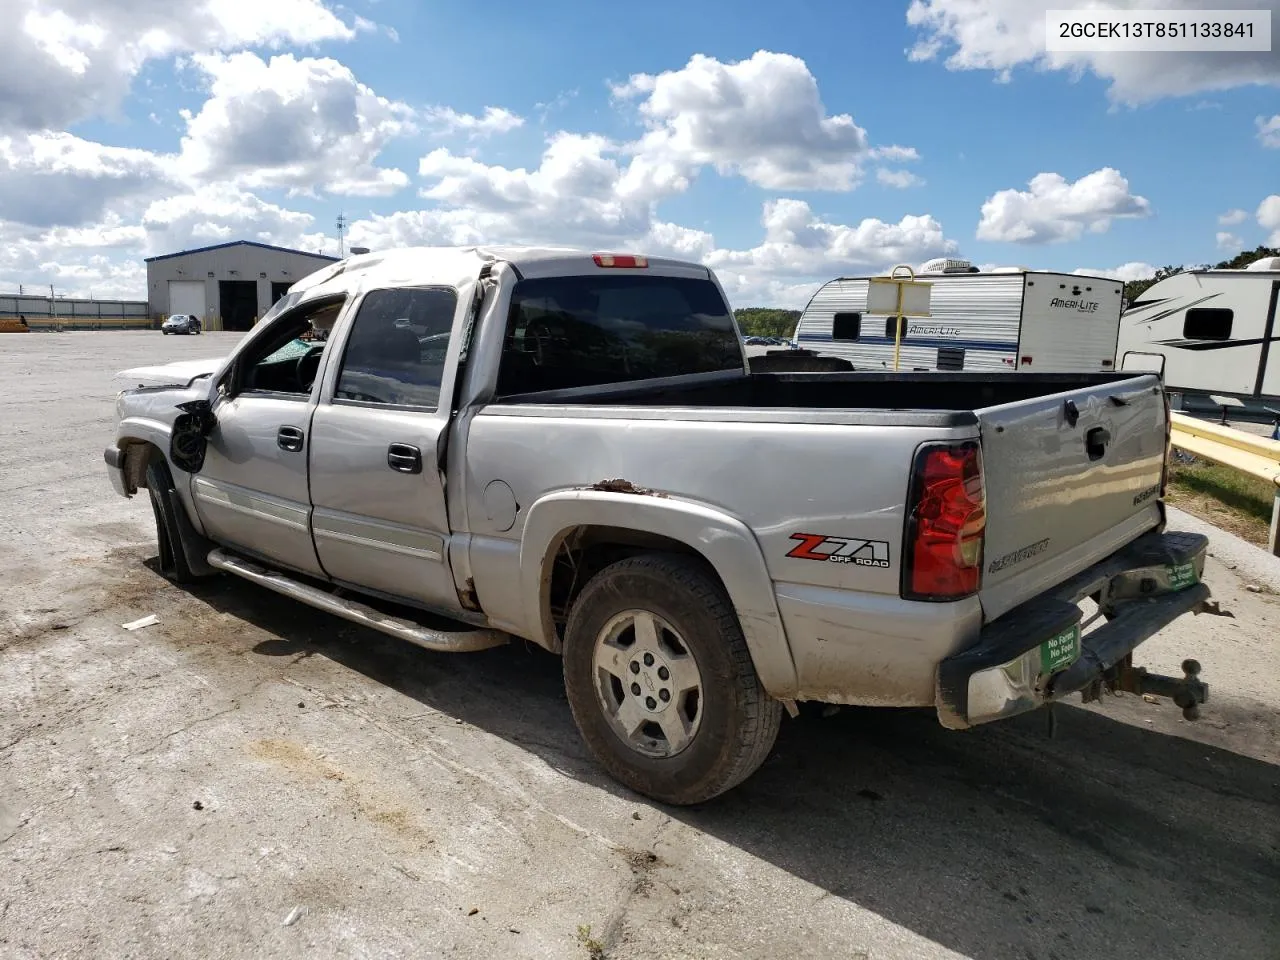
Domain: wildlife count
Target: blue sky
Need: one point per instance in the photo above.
(782, 144)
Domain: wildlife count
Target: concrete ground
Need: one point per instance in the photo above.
(250, 778)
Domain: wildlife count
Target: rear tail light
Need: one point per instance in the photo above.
(946, 523)
(619, 260)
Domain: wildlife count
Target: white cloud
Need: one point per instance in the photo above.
(1055, 210)
(894, 153)
(48, 179)
(578, 190)
(584, 192)
(495, 120)
(78, 261)
(798, 244)
(297, 124)
(1233, 218)
(1125, 273)
(1229, 241)
(302, 125)
(65, 60)
(898, 178)
(683, 243)
(218, 213)
(1269, 130)
(1002, 35)
(1268, 215)
(761, 118)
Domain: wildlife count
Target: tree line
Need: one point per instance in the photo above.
(1135, 288)
(767, 321)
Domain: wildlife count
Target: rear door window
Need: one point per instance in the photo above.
(396, 351)
(565, 332)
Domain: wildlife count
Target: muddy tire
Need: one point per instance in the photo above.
(173, 561)
(661, 683)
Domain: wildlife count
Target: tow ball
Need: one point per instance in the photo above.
(1187, 691)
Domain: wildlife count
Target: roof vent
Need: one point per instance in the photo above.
(1265, 263)
(946, 265)
(357, 251)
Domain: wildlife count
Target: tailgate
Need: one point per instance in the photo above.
(1069, 479)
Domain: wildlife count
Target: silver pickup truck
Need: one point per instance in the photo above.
(461, 446)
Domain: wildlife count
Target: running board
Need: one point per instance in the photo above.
(442, 641)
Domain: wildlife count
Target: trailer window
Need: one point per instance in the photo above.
(1204, 323)
(889, 332)
(846, 326)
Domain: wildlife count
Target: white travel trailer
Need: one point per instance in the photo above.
(1209, 332)
(1004, 319)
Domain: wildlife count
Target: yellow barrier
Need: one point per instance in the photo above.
(1257, 456)
(84, 323)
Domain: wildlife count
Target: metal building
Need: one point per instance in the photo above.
(228, 285)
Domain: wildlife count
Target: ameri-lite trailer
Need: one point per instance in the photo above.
(1209, 333)
(1005, 319)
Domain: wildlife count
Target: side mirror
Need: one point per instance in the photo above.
(187, 442)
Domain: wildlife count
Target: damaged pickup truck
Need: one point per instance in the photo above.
(461, 446)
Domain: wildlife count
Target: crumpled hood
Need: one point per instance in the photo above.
(179, 374)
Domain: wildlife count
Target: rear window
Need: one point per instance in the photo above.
(566, 332)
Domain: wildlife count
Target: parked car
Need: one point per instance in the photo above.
(591, 465)
(180, 323)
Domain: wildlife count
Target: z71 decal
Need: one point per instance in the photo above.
(863, 553)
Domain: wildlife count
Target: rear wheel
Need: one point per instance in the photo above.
(661, 683)
(173, 561)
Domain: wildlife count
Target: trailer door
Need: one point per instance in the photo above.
(1069, 323)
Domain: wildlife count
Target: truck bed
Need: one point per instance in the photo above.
(869, 391)
(1072, 463)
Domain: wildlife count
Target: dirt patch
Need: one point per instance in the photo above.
(295, 758)
(369, 802)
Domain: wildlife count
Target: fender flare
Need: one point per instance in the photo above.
(133, 433)
(143, 431)
(721, 539)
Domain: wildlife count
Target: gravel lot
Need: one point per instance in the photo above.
(189, 788)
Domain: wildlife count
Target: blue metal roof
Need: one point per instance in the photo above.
(243, 243)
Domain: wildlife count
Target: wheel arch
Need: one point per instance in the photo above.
(138, 454)
(597, 526)
(143, 441)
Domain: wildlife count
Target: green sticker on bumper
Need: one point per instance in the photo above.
(1061, 650)
(1182, 575)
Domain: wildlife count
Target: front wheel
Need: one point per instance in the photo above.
(661, 683)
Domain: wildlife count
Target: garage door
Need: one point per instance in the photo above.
(187, 296)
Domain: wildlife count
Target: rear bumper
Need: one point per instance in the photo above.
(1141, 588)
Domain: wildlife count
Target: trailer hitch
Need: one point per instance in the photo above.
(1187, 691)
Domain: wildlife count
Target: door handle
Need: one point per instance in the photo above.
(404, 458)
(289, 438)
